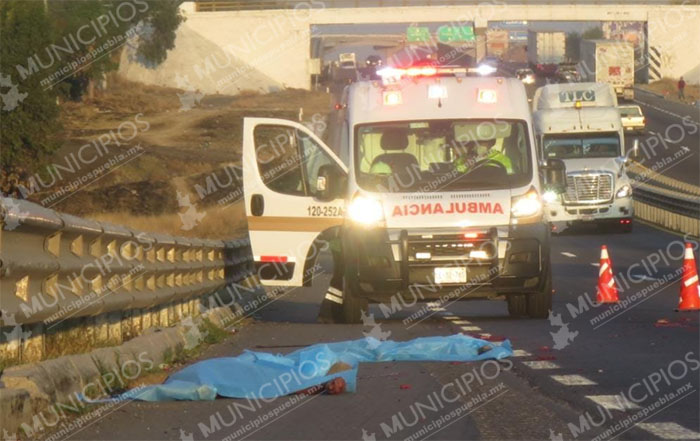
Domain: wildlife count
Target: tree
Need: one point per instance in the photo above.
(595, 33)
(61, 47)
(107, 26)
(29, 110)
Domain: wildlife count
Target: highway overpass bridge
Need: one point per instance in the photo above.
(222, 49)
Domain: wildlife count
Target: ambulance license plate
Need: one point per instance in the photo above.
(450, 275)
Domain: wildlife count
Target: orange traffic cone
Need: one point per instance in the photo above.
(690, 291)
(607, 291)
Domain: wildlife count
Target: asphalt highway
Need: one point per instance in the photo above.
(567, 379)
(671, 145)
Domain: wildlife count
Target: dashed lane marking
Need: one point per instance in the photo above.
(613, 402)
(521, 353)
(541, 364)
(687, 118)
(568, 254)
(461, 322)
(573, 380)
(470, 328)
(595, 264)
(669, 430)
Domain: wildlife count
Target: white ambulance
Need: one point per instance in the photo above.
(439, 196)
(580, 124)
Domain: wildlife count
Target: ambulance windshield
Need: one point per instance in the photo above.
(577, 145)
(442, 155)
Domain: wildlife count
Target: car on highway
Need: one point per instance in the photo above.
(372, 63)
(435, 192)
(527, 76)
(633, 119)
(567, 73)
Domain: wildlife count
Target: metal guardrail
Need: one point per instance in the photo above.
(669, 200)
(238, 5)
(55, 266)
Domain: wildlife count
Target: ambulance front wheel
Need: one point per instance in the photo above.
(540, 303)
(517, 305)
(353, 306)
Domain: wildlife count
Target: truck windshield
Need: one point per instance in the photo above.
(577, 145)
(442, 155)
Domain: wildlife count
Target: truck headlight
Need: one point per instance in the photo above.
(365, 211)
(527, 205)
(624, 191)
(549, 196)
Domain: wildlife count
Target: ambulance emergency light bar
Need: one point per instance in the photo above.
(391, 74)
(394, 97)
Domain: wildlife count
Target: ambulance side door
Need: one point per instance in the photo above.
(286, 170)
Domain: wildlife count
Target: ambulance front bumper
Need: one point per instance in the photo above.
(618, 208)
(431, 263)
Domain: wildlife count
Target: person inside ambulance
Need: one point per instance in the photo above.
(481, 153)
(394, 142)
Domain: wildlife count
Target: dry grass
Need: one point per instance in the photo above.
(668, 88)
(217, 223)
(180, 150)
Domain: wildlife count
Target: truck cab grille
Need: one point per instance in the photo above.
(589, 188)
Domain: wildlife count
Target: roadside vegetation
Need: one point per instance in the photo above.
(668, 87)
(155, 147)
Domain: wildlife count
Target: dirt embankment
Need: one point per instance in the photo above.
(135, 154)
(668, 87)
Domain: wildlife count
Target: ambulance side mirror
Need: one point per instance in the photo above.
(330, 182)
(555, 175)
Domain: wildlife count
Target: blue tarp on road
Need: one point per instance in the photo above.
(264, 375)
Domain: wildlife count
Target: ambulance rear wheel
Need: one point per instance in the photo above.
(540, 303)
(353, 306)
(517, 305)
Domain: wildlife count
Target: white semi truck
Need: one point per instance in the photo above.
(545, 50)
(580, 124)
(611, 62)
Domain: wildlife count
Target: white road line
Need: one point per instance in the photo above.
(595, 264)
(450, 317)
(669, 430)
(470, 328)
(573, 380)
(568, 254)
(541, 364)
(521, 353)
(462, 322)
(613, 402)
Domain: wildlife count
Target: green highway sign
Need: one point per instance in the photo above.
(449, 34)
(417, 34)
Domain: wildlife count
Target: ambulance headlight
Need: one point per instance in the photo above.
(365, 211)
(527, 205)
(549, 197)
(624, 191)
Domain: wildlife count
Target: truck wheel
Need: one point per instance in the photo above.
(517, 305)
(353, 306)
(539, 304)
